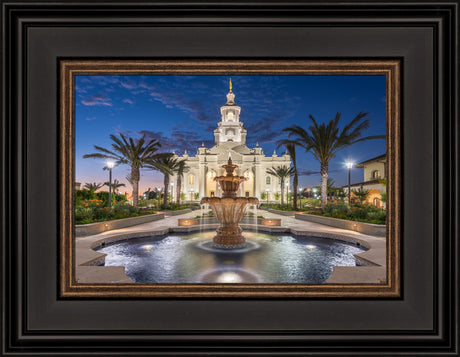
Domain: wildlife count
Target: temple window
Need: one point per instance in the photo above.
(267, 180)
(191, 179)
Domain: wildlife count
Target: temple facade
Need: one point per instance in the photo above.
(230, 140)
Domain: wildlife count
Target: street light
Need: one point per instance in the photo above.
(172, 190)
(349, 165)
(110, 165)
(287, 193)
(267, 191)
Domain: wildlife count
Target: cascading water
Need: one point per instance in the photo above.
(229, 209)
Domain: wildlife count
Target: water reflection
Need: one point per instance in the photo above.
(271, 259)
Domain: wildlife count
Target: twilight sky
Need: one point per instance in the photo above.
(183, 111)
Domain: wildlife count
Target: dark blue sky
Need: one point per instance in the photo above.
(183, 111)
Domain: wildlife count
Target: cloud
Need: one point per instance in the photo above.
(90, 118)
(129, 84)
(179, 140)
(127, 100)
(97, 99)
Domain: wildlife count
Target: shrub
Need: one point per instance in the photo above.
(84, 195)
(83, 215)
(377, 216)
(337, 209)
(358, 212)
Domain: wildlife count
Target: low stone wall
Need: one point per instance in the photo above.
(178, 212)
(187, 221)
(282, 213)
(96, 228)
(271, 221)
(214, 220)
(365, 228)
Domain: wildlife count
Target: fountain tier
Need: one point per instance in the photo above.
(229, 209)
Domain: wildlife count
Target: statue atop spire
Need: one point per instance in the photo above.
(230, 96)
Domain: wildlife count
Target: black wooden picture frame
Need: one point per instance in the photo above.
(35, 36)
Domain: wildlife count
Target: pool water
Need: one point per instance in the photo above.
(191, 258)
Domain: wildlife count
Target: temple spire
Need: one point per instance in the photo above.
(230, 85)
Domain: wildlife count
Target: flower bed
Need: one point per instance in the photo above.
(359, 212)
(93, 210)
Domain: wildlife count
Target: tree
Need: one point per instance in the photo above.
(290, 147)
(361, 193)
(128, 151)
(167, 166)
(93, 187)
(115, 185)
(282, 173)
(180, 169)
(324, 141)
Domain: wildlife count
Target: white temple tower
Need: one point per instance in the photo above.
(230, 128)
(230, 138)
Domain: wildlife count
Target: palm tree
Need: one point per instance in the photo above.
(181, 168)
(361, 193)
(115, 185)
(282, 172)
(290, 147)
(129, 151)
(167, 166)
(324, 141)
(93, 187)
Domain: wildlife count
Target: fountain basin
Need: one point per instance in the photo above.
(191, 258)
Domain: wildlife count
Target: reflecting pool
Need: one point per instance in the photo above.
(266, 258)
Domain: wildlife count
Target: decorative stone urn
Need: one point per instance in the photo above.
(229, 209)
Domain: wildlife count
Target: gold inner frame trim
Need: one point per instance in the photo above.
(69, 288)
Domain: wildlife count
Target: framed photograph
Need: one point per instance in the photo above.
(355, 255)
(235, 179)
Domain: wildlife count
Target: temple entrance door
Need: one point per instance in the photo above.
(248, 185)
(211, 185)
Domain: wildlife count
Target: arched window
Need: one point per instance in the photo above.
(191, 179)
(375, 174)
(230, 116)
(267, 180)
(377, 202)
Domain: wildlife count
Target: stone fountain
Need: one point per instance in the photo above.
(229, 209)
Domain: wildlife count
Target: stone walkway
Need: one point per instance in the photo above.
(372, 261)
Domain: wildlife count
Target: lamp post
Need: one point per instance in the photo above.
(172, 190)
(266, 192)
(191, 194)
(287, 193)
(110, 165)
(349, 165)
